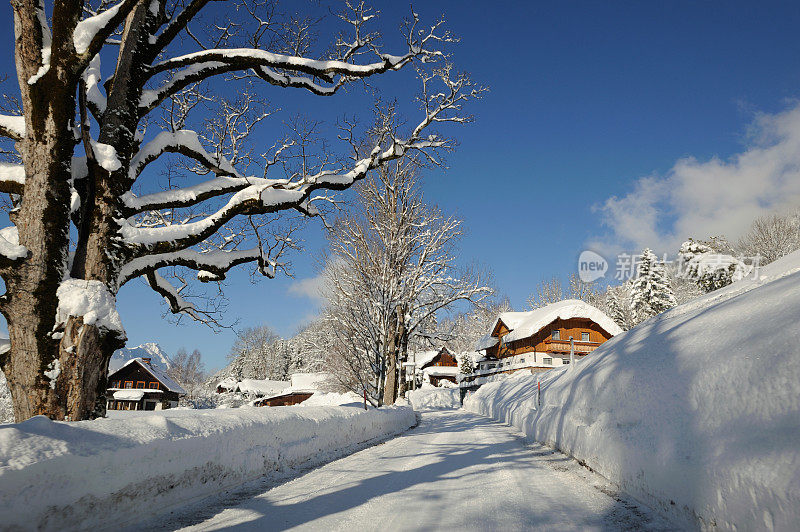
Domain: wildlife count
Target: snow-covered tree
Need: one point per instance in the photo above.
(466, 365)
(258, 353)
(651, 292)
(392, 267)
(189, 371)
(772, 236)
(462, 332)
(551, 291)
(548, 292)
(85, 222)
(710, 269)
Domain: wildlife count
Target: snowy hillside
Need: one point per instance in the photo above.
(695, 411)
(150, 350)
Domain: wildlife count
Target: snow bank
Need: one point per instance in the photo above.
(434, 398)
(695, 411)
(105, 473)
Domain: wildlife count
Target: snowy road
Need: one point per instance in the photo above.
(456, 470)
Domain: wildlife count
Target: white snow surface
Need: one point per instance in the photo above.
(526, 324)
(420, 358)
(90, 299)
(455, 471)
(12, 172)
(15, 124)
(696, 411)
(106, 156)
(333, 399)
(434, 398)
(260, 387)
(158, 357)
(308, 381)
(9, 243)
(129, 395)
(111, 473)
(89, 27)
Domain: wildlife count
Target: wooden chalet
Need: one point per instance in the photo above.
(138, 385)
(541, 339)
(303, 386)
(442, 367)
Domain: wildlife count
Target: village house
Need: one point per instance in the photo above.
(139, 385)
(252, 388)
(541, 339)
(440, 367)
(303, 386)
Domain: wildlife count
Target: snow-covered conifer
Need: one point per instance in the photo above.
(651, 292)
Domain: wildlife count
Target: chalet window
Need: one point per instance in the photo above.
(140, 384)
(129, 384)
(565, 361)
(556, 335)
(547, 360)
(584, 337)
(153, 385)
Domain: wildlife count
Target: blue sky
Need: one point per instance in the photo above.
(588, 101)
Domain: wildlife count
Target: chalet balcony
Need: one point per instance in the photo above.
(562, 346)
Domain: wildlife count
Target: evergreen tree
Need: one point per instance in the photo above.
(651, 292)
(466, 367)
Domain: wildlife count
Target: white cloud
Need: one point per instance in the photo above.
(714, 197)
(310, 287)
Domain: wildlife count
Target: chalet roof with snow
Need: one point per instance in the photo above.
(420, 358)
(526, 324)
(260, 386)
(157, 373)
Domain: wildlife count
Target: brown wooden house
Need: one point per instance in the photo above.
(541, 339)
(442, 367)
(138, 385)
(303, 386)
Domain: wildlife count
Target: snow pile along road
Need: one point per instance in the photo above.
(695, 411)
(114, 472)
(434, 398)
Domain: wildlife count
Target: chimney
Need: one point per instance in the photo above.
(146, 360)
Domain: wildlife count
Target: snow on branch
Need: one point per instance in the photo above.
(10, 250)
(90, 300)
(95, 100)
(90, 34)
(185, 142)
(322, 77)
(12, 127)
(12, 178)
(212, 265)
(177, 303)
(262, 196)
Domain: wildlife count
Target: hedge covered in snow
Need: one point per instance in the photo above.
(430, 398)
(696, 411)
(57, 475)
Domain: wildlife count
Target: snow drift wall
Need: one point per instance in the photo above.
(695, 412)
(114, 472)
(434, 398)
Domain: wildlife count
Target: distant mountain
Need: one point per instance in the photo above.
(151, 350)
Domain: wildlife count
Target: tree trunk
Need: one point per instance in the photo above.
(53, 369)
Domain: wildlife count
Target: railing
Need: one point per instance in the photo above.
(563, 346)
